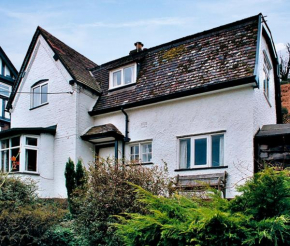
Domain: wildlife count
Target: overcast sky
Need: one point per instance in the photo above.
(103, 30)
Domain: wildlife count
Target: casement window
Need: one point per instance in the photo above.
(201, 151)
(3, 113)
(19, 154)
(123, 76)
(39, 95)
(266, 70)
(5, 90)
(141, 152)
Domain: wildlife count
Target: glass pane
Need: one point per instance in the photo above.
(128, 75)
(31, 141)
(5, 144)
(217, 150)
(4, 90)
(36, 97)
(15, 141)
(15, 159)
(116, 78)
(5, 161)
(184, 153)
(30, 160)
(44, 90)
(200, 151)
(144, 158)
(6, 114)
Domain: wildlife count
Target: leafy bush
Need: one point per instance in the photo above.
(260, 216)
(108, 193)
(63, 234)
(24, 218)
(15, 192)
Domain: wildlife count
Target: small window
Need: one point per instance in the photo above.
(266, 71)
(5, 90)
(205, 151)
(141, 152)
(31, 141)
(123, 76)
(39, 95)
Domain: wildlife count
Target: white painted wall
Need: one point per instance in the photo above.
(231, 110)
(264, 110)
(60, 111)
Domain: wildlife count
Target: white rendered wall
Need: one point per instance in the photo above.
(264, 110)
(60, 111)
(230, 110)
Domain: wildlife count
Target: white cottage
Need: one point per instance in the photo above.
(195, 103)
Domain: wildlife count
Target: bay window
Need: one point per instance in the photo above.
(19, 154)
(201, 151)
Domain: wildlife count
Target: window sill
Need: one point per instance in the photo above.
(267, 99)
(141, 164)
(199, 168)
(25, 173)
(38, 106)
(121, 87)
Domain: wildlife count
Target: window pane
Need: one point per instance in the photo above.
(15, 141)
(184, 153)
(4, 90)
(36, 97)
(116, 78)
(128, 75)
(31, 160)
(44, 90)
(5, 144)
(6, 114)
(5, 161)
(31, 141)
(200, 151)
(15, 153)
(134, 153)
(217, 150)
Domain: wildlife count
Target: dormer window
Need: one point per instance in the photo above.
(39, 94)
(123, 76)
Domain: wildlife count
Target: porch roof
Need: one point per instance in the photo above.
(28, 130)
(104, 132)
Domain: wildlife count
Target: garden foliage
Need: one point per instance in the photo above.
(259, 216)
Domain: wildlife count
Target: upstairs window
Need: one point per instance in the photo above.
(201, 151)
(3, 112)
(123, 76)
(5, 90)
(39, 95)
(266, 70)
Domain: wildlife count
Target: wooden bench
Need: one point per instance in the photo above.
(200, 182)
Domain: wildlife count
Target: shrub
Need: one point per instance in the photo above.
(108, 193)
(260, 216)
(24, 218)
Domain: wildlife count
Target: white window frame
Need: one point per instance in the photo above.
(267, 67)
(208, 138)
(140, 144)
(32, 95)
(111, 82)
(22, 155)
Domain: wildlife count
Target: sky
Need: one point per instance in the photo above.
(104, 30)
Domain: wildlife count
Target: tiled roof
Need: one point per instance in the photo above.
(102, 131)
(76, 64)
(210, 58)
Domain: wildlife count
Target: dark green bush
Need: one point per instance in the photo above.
(108, 193)
(260, 216)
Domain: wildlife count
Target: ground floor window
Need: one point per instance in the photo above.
(141, 152)
(201, 151)
(19, 153)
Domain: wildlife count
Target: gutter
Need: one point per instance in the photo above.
(194, 91)
(126, 139)
(259, 35)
